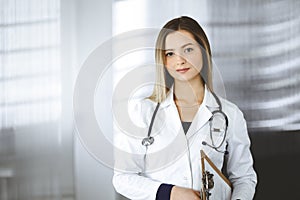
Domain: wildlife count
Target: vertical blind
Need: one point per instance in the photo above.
(30, 82)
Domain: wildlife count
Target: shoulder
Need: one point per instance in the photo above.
(237, 124)
(231, 109)
(141, 110)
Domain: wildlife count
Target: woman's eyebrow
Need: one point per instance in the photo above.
(187, 44)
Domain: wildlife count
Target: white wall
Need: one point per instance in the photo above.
(92, 26)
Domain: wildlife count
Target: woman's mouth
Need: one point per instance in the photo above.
(183, 70)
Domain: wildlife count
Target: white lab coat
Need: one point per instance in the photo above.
(174, 157)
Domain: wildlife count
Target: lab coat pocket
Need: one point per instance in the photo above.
(217, 149)
(218, 140)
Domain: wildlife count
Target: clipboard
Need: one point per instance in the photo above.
(214, 184)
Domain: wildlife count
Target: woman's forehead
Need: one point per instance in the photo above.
(178, 39)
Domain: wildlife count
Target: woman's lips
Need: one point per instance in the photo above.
(183, 70)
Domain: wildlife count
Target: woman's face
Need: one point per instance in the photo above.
(183, 57)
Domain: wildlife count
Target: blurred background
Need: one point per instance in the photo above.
(43, 43)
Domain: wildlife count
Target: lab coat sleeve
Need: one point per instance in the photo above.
(128, 178)
(134, 186)
(240, 162)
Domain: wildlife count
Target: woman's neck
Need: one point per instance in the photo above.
(189, 93)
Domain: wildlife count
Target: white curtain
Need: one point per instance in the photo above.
(33, 149)
(30, 62)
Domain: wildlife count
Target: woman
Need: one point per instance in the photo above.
(180, 111)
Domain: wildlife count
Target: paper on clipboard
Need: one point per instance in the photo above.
(222, 188)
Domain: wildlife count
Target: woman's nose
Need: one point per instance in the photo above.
(180, 60)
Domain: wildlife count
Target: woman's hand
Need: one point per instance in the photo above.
(180, 193)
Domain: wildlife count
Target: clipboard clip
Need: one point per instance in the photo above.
(208, 183)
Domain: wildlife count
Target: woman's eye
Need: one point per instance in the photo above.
(169, 54)
(188, 50)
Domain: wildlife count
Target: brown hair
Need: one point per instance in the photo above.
(163, 78)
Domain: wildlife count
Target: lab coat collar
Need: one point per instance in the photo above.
(203, 114)
(210, 100)
(170, 98)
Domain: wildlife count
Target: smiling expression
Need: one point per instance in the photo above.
(183, 57)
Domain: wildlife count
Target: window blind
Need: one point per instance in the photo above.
(30, 77)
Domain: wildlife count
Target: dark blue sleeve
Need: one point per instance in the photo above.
(164, 192)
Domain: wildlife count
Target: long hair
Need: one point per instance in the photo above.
(163, 79)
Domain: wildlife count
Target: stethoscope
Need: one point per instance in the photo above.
(212, 129)
(149, 140)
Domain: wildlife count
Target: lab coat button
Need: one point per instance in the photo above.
(185, 178)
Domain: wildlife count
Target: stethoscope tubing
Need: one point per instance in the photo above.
(149, 140)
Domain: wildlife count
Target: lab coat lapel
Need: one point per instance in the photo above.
(204, 113)
(202, 117)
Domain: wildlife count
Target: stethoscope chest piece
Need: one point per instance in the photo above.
(147, 141)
